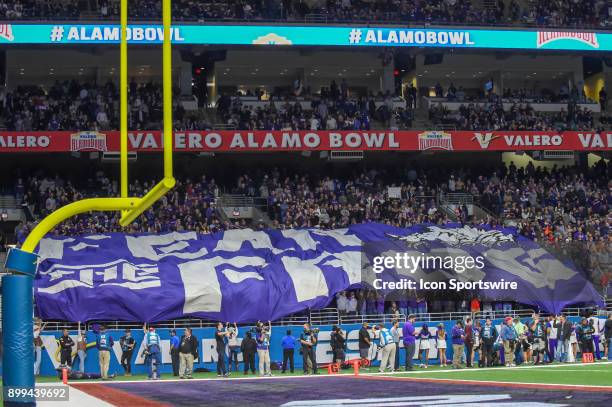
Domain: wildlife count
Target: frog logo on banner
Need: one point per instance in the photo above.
(6, 32)
(88, 140)
(272, 39)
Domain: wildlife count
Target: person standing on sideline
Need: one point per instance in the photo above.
(66, 343)
(188, 352)
(510, 338)
(409, 341)
(338, 344)
(424, 336)
(174, 352)
(488, 337)
(82, 349)
(458, 340)
(387, 348)
(263, 349)
(551, 334)
(288, 343)
(233, 347)
(308, 348)
(127, 343)
(396, 334)
(248, 347)
(564, 335)
(153, 351)
(104, 343)
(469, 341)
(365, 341)
(595, 323)
(38, 344)
(441, 344)
(220, 336)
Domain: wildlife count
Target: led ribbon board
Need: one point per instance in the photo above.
(348, 36)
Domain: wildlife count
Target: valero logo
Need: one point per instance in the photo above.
(88, 140)
(435, 140)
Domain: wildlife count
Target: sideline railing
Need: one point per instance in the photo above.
(331, 316)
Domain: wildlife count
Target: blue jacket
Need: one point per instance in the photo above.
(288, 342)
(104, 341)
(508, 333)
(456, 336)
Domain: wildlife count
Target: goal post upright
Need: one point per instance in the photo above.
(22, 263)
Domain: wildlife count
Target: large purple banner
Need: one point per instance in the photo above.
(246, 275)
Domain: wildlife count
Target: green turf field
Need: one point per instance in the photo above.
(594, 374)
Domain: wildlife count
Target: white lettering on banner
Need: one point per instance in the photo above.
(418, 37)
(590, 140)
(156, 247)
(533, 140)
(142, 141)
(349, 262)
(550, 269)
(233, 240)
(308, 279)
(236, 277)
(301, 237)
(107, 34)
(339, 235)
(119, 273)
(52, 248)
(201, 283)
(24, 141)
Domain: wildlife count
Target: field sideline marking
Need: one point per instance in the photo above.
(492, 383)
(482, 369)
(374, 374)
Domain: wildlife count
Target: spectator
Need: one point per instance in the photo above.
(188, 352)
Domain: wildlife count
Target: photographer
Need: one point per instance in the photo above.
(127, 348)
(386, 346)
(338, 344)
(585, 335)
(308, 339)
(248, 347)
(509, 338)
(263, 348)
(489, 335)
(538, 335)
(152, 352)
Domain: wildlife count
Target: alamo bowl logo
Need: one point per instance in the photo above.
(435, 140)
(546, 37)
(88, 140)
(6, 32)
(272, 39)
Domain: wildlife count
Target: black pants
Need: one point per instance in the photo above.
(409, 349)
(288, 356)
(308, 354)
(176, 362)
(65, 357)
(126, 360)
(221, 361)
(397, 351)
(486, 356)
(468, 353)
(586, 346)
(249, 362)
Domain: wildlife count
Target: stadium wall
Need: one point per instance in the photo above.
(208, 353)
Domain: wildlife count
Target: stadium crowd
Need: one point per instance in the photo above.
(71, 105)
(566, 13)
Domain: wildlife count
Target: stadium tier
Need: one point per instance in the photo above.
(352, 202)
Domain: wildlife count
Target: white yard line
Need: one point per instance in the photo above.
(418, 370)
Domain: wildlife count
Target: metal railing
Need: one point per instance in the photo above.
(330, 316)
(235, 200)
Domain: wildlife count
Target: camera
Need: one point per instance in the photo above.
(315, 331)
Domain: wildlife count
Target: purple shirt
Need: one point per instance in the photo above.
(408, 333)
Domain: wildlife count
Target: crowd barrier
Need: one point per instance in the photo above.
(208, 353)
